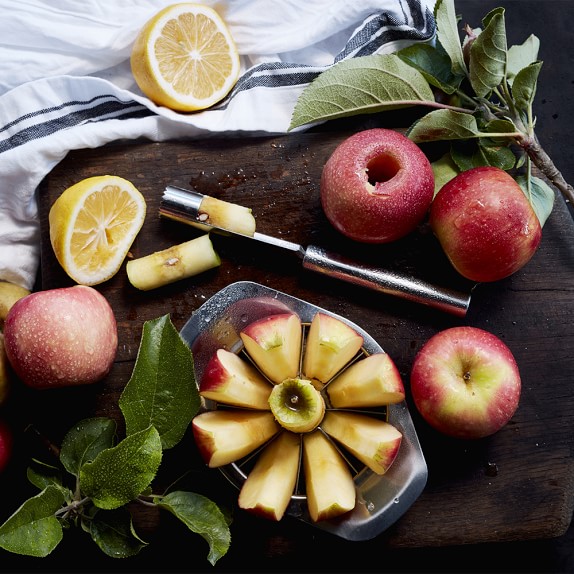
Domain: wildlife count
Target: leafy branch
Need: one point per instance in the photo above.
(97, 476)
(482, 92)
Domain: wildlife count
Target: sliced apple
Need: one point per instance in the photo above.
(274, 344)
(270, 485)
(328, 481)
(225, 215)
(373, 441)
(229, 379)
(372, 381)
(331, 344)
(224, 436)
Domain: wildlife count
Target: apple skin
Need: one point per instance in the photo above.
(61, 337)
(377, 186)
(6, 444)
(485, 224)
(465, 382)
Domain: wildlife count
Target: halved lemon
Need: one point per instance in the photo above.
(185, 58)
(93, 225)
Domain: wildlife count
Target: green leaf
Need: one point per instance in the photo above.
(540, 195)
(488, 55)
(43, 475)
(119, 474)
(469, 154)
(34, 530)
(85, 441)
(162, 391)
(366, 84)
(444, 170)
(524, 86)
(201, 516)
(113, 532)
(520, 57)
(443, 125)
(448, 36)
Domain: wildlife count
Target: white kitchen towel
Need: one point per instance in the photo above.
(66, 83)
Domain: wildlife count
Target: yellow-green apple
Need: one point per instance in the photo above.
(331, 344)
(369, 382)
(274, 344)
(9, 294)
(6, 444)
(485, 224)
(376, 186)
(465, 382)
(297, 405)
(61, 337)
(373, 441)
(224, 436)
(271, 483)
(229, 379)
(329, 485)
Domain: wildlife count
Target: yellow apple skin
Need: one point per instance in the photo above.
(9, 294)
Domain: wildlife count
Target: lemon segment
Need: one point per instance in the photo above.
(185, 58)
(93, 225)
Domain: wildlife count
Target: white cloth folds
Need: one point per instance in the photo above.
(66, 83)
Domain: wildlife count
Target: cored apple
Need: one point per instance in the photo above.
(61, 337)
(373, 441)
(270, 485)
(485, 224)
(6, 444)
(377, 186)
(369, 382)
(274, 344)
(465, 382)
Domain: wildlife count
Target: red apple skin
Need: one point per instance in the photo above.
(377, 186)
(6, 444)
(485, 224)
(61, 337)
(465, 382)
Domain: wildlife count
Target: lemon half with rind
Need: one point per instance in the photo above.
(93, 225)
(185, 58)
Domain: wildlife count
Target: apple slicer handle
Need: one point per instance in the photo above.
(448, 300)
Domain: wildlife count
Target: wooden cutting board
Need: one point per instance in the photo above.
(515, 485)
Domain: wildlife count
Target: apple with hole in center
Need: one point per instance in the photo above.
(485, 224)
(6, 444)
(61, 337)
(465, 382)
(377, 186)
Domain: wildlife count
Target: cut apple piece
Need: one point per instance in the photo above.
(371, 382)
(373, 441)
(328, 481)
(225, 215)
(229, 379)
(274, 344)
(331, 344)
(270, 485)
(224, 436)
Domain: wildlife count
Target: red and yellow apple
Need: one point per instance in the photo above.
(376, 186)
(465, 382)
(61, 337)
(485, 224)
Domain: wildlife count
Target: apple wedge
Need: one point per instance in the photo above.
(224, 436)
(328, 481)
(229, 379)
(226, 215)
(270, 485)
(331, 344)
(373, 441)
(372, 381)
(274, 344)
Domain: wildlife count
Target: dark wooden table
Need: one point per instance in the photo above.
(512, 487)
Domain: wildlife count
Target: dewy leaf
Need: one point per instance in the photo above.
(521, 56)
(524, 86)
(162, 390)
(201, 516)
(113, 532)
(540, 195)
(34, 530)
(488, 55)
(85, 441)
(366, 84)
(443, 125)
(119, 474)
(469, 154)
(42, 475)
(448, 35)
(444, 170)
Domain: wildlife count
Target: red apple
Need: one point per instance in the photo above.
(465, 382)
(6, 444)
(61, 337)
(377, 186)
(485, 224)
